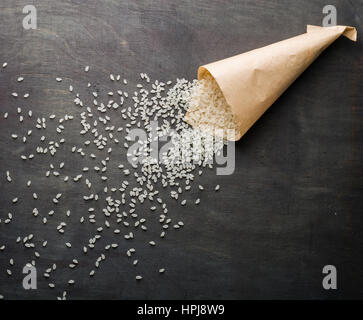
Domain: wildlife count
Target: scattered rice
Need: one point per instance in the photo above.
(175, 169)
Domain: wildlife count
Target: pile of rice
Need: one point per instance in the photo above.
(208, 110)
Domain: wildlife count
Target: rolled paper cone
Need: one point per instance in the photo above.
(252, 81)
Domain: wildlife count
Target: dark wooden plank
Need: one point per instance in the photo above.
(294, 202)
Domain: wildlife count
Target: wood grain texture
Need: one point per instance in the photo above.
(294, 203)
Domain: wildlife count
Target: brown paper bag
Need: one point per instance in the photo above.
(252, 81)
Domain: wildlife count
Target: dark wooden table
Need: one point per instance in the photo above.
(294, 203)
